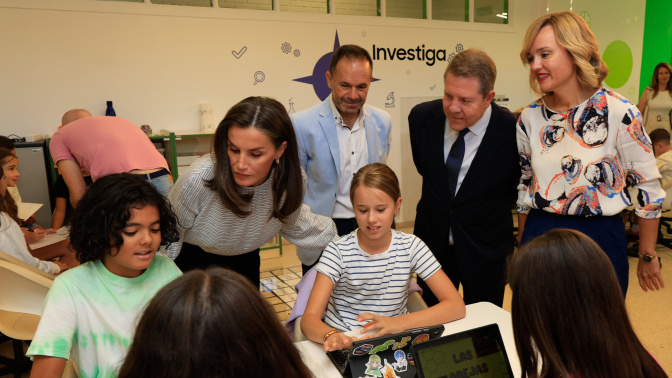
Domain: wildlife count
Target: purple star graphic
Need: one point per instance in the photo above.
(318, 78)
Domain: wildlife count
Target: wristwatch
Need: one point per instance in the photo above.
(647, 258)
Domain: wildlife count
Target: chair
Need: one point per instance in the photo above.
(22, 292)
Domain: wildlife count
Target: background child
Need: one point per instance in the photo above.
(363, 277)
(10, 165)
(568, 313)
(63, 209)
(13, 190)
(119, 224)
(211, 323)
(12, 240)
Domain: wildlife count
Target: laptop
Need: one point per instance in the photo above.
(389, 354)
(477, 352)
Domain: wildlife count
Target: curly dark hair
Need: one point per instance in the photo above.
(105, 209)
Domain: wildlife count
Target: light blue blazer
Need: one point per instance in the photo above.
(319, 152)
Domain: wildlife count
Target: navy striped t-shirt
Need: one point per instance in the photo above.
(372, 283)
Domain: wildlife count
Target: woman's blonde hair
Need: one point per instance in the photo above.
(573, 34)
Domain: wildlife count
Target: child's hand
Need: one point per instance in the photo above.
(338, 341)
(50, 231)
(383, 324)
(61, 265)
(34, 236)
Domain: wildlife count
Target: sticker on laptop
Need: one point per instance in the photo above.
(420, 338)
(382, 347)
(373, 366)
(362, 350)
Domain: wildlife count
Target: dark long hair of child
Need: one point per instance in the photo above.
(211, 323)
(569, 316)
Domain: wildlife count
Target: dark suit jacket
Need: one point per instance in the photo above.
(480, 213)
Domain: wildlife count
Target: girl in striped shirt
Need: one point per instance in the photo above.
(363, 277)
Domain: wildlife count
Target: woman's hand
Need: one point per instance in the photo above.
(339, 340)
(385, 325)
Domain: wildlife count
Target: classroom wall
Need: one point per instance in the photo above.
(657, 39)
(159, 62)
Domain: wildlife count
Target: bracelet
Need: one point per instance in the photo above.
(333, 331)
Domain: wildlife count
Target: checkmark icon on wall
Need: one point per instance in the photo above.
(239, 53)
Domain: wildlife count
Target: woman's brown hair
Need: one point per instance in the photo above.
(10, 206)
(211, 323)
(573, 34)
(377, 176)
(568, 313)
(270, 117)
(654, 79)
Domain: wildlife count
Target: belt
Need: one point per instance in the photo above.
(153, 175)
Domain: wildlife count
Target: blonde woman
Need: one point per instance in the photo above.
(581, 146)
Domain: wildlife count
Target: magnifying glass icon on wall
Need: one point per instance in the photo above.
(259, 77)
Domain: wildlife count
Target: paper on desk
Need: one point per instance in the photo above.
(26, 209)
(61, 234)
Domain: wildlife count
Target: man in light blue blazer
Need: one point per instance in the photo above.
(339, 136)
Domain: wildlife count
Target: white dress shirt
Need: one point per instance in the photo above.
(353, 155)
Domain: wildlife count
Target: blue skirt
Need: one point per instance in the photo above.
(607, 231)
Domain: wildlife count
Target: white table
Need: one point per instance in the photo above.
(478, 314)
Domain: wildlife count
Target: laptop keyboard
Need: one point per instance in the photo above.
(340, 355)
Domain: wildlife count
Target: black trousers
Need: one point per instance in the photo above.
(481, 284)
(194, 257)
(344, 226)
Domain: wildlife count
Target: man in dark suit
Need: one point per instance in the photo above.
(464, 146)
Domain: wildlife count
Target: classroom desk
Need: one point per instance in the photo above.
(478, 314)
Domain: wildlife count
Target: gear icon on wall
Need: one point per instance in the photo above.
(286, 48)
(459, 47)
(297, 53)
(450, 57)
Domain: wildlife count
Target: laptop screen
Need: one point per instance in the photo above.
(478, 352)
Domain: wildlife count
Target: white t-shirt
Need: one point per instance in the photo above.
(13, 242)
(372, 283)
(93, 312)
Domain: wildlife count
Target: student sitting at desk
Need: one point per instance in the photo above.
(10, 165)
(12, 240)
(363, 277)
(91, 311)
(211, 323)
(13, 190)
(568, 313)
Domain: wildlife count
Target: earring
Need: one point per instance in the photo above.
(277, 161)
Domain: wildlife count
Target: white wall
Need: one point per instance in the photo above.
(158, 62)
